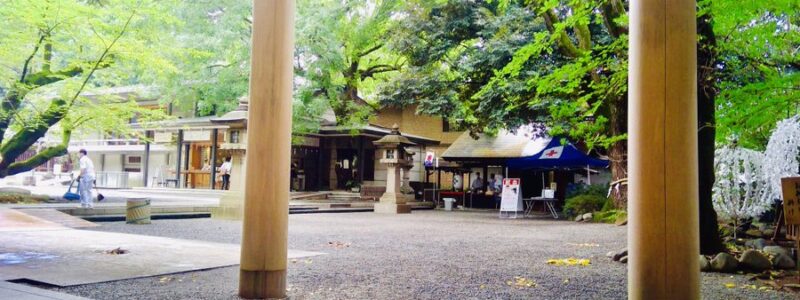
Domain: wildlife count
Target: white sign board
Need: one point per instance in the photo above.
(162, 137)
(197, 135)
(511, 200)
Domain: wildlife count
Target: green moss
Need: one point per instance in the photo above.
(11, 198)
(609, 216)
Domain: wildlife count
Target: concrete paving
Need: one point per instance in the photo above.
(58, 217)
(23, 292)
(13, 220)
(39, 250)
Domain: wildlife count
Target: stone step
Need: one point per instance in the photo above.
(174, 191)
(58, 217)
(309, 196)
(339, 193)
(344, 199)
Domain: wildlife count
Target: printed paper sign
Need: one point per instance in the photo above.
(512, 195)
(791, 200)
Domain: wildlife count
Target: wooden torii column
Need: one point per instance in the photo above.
(266, 193)
(663, 218)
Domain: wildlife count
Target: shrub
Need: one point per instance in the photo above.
(608, 205)
(582, 204)
(590, 189)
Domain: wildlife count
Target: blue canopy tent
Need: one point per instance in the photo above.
(557, 156)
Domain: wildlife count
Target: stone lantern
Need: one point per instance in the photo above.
(394, 155)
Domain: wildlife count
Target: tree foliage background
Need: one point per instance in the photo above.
(52, 52)
(483, 65)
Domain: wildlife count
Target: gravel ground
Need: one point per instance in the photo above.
(425, 255)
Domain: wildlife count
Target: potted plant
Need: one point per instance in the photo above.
(354, 187)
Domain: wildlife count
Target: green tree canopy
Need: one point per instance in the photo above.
(52, 52)
(501, 64)
(342, 54)
(758, 66)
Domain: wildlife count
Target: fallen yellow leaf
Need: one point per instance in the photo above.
(730, 285)
(521, 282)
(569, 262)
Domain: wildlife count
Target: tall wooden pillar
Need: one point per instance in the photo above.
(662, 137)
(266, 194)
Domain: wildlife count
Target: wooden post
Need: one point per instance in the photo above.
(663, 231)
(266, 194)
(320, 167)
(214, 146)
(186, 158)
(361, 160)
(146, 167)
(178, 159)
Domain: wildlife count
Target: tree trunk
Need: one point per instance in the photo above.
(710, 242)
(618, 153)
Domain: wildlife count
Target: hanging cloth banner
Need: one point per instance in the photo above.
(429, 158)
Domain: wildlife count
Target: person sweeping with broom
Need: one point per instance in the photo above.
(86, 179)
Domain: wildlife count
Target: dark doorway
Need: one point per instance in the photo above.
(346, 168)
(369, 164)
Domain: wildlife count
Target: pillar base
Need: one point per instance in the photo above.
(395, 198)
(262, 284)
(231, 206)
(392, 208)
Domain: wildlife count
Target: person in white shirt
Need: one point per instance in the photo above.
(225, 170)
(86, 179)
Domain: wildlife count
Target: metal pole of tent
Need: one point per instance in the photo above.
(436, 192)
(544, 185)
(589, 174)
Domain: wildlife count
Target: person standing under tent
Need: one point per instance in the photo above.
(477, 183)
(225, 171)
(495, 186)
(86, 179)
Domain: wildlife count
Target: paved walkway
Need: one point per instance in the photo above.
(185, 201)
(423, 255)
(23, 292)
(35, 249)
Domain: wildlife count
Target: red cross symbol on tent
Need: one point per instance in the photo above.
(552, 153)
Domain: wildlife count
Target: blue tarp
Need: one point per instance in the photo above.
(556, 155)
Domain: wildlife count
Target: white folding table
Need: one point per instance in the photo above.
(548, 204)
